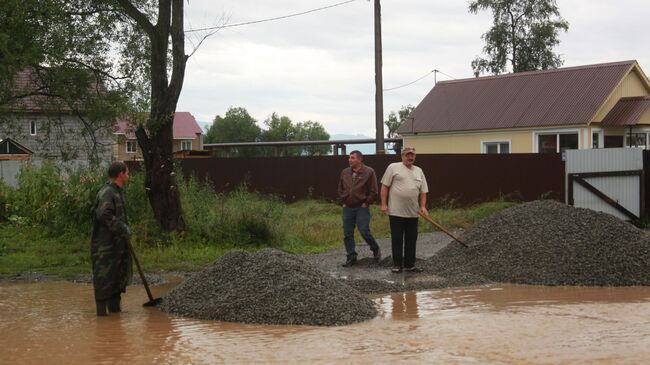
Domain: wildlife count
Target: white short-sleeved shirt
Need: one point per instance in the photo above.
(405, 186)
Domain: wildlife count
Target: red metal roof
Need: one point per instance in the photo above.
(564, 96)
(185, 127)
(627, 111)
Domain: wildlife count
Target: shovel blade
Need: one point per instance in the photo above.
(152, 303)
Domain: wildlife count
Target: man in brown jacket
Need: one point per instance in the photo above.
(357, 190)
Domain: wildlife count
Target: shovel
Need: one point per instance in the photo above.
(428, 219)
(152, 302)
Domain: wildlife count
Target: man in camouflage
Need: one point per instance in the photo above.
(111, 260)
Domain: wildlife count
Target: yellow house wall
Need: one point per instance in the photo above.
(521, 140)
(119, 150)
(630, 86)
(120, 154)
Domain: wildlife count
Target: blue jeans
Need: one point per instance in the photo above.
(361, 218)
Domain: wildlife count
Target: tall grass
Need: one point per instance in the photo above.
(45, 223)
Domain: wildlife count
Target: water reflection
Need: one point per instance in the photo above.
(54, 323)
(110, 345)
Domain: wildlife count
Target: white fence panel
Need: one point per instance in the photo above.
(625, 190)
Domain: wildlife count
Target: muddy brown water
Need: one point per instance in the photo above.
(54, 323)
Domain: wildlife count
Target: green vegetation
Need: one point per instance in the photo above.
(45, 223)
(239, 126)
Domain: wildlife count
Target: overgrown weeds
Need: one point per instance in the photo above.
(45, 223)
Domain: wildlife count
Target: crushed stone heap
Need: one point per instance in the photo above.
(549, 243)
(267, 287)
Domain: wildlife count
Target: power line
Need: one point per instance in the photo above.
(410, 83)
(440, 72)
(269, 19)
(420, 78)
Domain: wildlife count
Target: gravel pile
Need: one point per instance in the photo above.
(549, 243)
(268, 287)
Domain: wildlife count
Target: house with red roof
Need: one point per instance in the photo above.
(188, 136)
(584, 107)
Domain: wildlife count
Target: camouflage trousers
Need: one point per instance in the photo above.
(112, 268)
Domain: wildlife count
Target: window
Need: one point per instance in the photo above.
(637, 140)
(568, 142)
(186, 145)
(131, 147)
(613, 141)
(557, 142)
(32, 127)
(595, 140)
(496, 147)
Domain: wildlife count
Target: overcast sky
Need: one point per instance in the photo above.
(320, 66)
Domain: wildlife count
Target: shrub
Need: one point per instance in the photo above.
(38, 189)
(7, 205)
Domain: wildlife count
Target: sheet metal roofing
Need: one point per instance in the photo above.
(564, 96)
(185, 127)
(30, 82)
(627, 111)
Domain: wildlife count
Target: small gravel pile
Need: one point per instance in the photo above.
(549, 243)
(425, 282)
(268, 287)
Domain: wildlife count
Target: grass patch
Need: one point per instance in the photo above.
(45, 223)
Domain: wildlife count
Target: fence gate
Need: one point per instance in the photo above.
(609, 180)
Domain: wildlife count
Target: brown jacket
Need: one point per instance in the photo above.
(360, 190)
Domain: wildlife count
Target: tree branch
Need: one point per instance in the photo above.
(137, 15)
(178, 50)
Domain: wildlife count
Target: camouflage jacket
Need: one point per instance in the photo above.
(111, 259)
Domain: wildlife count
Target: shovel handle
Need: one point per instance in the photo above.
(428, 219)
(137, 263)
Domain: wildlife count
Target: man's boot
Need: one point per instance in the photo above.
(114, 304)
(101, 308)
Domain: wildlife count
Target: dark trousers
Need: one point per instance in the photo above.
(359, 217)
(404, 235)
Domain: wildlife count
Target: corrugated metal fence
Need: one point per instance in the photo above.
(465, 178)
(646, 167)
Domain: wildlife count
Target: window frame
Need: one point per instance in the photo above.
(32, 128)
(134, 143)
(185, 141)
(601, 138)
(498, 142)
(637, 130)
(557, 133)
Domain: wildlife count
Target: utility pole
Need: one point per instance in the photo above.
(379, 93)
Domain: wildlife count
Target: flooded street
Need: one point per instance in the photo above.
(55, 323)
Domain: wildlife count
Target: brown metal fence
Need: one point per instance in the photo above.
(646, 177)
(465, 178)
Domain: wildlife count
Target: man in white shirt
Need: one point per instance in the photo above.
(403, 196)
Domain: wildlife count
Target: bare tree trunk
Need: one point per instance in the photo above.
(157, 142)
(160, 182)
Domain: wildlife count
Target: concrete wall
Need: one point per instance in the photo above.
(8, 171)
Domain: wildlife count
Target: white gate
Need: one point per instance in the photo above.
(609, 180)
